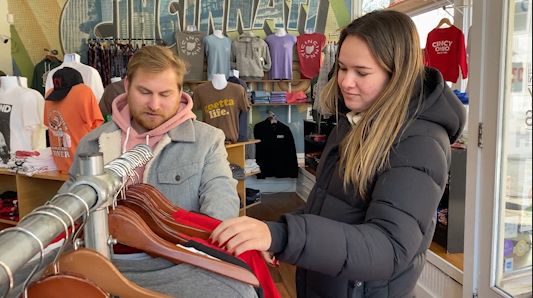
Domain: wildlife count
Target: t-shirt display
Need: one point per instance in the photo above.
(218, 52)
(70, 112)
(445, 51)
(221, 108)
(281, 49)
(90, 75)
(40, 73)
(190, 47)
(309, 48)
(250, 56)
(19, 116)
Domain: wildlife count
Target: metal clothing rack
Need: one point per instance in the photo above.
(90, 194)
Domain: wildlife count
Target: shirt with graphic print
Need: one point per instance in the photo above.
(221, 108)
(281, 56)
(68, 120)
(309, 48)
(445, 51)
(190, 47)
(19, 115)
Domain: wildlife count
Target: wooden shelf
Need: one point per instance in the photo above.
(253, 204)
(280, 104)
(456, 259)
(252, 173)
(413, 7)
(236, 155)
(8, 222)
(255, 81)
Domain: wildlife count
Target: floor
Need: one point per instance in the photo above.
(271, 207)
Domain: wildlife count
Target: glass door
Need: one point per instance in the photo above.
(498, 211)
(511, 267)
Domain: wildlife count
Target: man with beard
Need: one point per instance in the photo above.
(189, 167)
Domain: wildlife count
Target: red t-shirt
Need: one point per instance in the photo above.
(252, 257)
(309, 48)
(445, 51)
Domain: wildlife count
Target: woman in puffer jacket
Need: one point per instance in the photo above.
(370, 217)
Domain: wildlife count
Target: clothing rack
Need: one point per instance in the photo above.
(89, 195)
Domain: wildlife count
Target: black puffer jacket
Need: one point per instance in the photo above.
(346, 247)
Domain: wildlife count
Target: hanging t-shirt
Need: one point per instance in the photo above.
(90, 76)
(221, 108)
(445, 51)
(309, 48)
(218, 52)
(40, 73)
(19, 115)
(190, 47)
(281, 56)
(68, 120)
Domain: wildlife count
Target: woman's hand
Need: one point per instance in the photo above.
(243, 233)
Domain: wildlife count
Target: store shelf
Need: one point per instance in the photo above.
(252, 173)
(281, 104)
(253, 204)
(8, 222)
(413, 7)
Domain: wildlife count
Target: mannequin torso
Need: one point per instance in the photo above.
(281, 32)
(219, 81)
(8, 83)
(73, 57)
(218, 33)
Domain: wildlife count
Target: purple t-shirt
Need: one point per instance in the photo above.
(281, 55)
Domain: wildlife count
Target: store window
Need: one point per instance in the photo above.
(512, 254)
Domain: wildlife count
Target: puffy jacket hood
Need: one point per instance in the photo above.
(440, 105)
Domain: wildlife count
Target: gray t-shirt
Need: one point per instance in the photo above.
(218, 52)
(190, 47)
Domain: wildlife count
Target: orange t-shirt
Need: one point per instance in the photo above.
(68, 120)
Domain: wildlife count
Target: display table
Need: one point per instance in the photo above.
(32, 192)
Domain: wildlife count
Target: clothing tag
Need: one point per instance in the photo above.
(280, 137)
(198, 252)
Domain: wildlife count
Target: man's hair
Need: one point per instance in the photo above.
(156, 59)
(393, 40)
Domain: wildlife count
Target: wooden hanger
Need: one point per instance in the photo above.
(444, 21)
(67, 285)
(154, 221)
(129, 229)
(101, 271)
(155, 203)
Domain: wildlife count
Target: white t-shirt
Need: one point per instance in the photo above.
(19, 115)
(90, 76)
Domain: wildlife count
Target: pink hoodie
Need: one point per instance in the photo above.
(130, 138)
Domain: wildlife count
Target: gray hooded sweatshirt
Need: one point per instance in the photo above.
(250, 56)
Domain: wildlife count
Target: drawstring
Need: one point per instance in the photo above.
(124, 145)
(147, 140)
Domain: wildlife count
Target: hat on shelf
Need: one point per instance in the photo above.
(64, 79)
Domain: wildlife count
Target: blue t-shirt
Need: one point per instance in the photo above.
(218, 52)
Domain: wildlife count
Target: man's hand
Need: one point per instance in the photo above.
(240, 234)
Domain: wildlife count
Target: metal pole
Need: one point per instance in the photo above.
(96, 232)
(87, 193)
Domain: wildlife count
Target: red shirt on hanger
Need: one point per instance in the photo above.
(445, 51)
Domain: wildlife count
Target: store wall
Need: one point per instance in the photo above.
(5, 48)
(66, 25)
